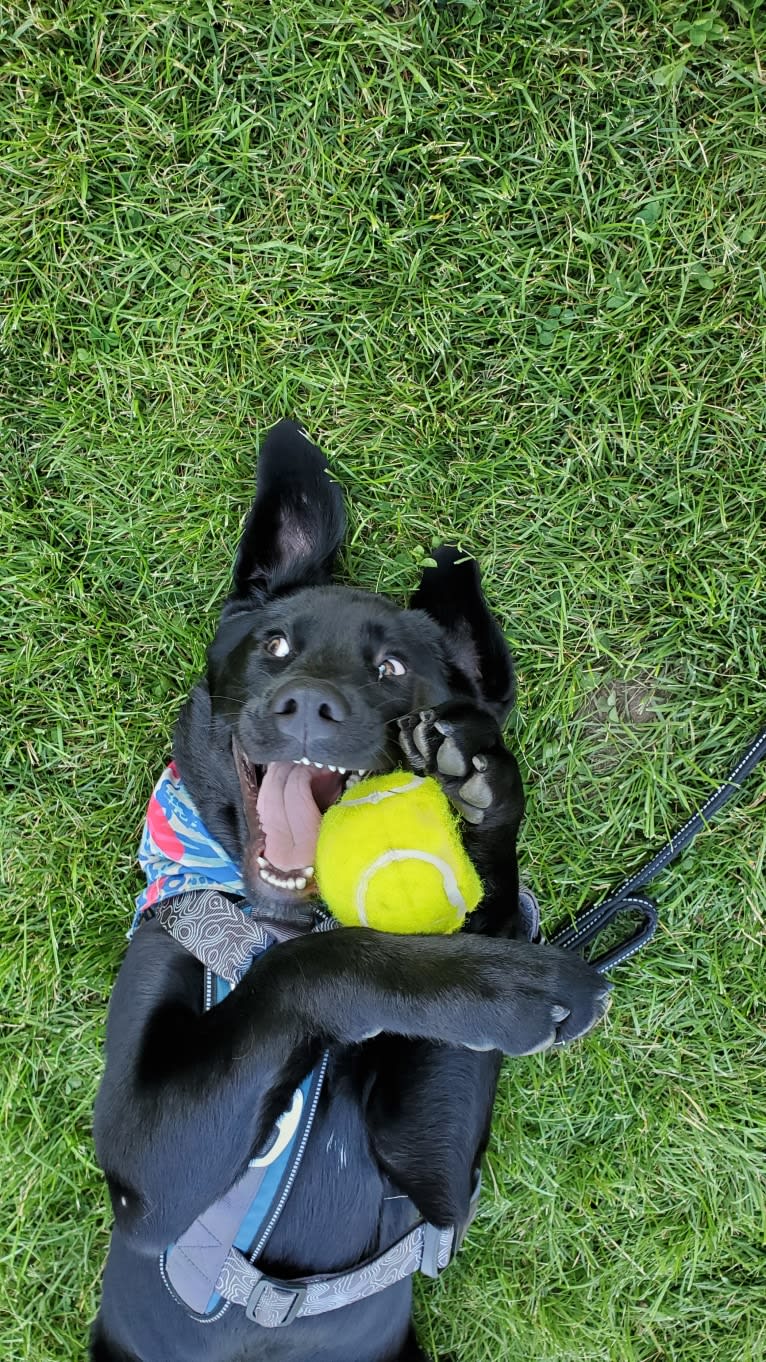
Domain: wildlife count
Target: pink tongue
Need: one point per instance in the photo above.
(291, 802)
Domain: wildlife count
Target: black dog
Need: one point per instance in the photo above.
(303, 671)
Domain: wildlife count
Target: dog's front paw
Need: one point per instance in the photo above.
(462, 747)
(549, 998)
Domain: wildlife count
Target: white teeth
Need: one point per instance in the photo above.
(323, 766)
(320, 765)
(298, 881)
(277, 883)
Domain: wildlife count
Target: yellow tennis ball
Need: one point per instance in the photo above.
(390, 856)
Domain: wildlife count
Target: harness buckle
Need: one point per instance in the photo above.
(294, 1296)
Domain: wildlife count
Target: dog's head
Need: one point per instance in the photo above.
(307, 679)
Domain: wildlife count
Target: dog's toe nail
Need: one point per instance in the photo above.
(420, 739)
(559, 1014)
(411, 752)
(480, 762)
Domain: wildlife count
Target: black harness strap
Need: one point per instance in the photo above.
(591, 922)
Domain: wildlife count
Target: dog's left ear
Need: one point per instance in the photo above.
(296, 523)
(451, 594)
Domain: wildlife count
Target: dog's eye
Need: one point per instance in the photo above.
(277, 645)
(391, 666)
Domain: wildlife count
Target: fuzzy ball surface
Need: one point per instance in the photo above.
(390, 856)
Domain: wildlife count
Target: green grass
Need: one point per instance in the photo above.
(507, 263)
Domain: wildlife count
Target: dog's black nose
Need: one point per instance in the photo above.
(307, 710)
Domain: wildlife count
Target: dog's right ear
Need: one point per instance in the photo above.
(296, 523)
(450, 592)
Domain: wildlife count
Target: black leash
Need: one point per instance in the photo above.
(590, 923)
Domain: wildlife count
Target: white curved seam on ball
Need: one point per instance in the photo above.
(451, 887)
(378, 795)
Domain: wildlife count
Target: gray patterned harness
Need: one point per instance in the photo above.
(205, 1270)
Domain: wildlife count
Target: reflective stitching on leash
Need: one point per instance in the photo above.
(587, 925)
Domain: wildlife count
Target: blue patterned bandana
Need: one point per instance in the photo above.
(177, 853)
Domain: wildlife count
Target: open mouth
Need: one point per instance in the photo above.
(284, 802)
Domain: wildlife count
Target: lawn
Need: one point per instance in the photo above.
(506, 262)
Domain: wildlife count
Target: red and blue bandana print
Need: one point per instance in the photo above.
(177, 853)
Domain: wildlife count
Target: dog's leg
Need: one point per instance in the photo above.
(462, 747)
(431, 1105)
(187, 1096)
(428, 1115)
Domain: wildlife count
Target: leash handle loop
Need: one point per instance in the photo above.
(591, 924)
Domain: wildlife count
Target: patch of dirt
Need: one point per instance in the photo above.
(612, 712)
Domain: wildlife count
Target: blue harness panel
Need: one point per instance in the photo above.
(246, 1215)
(189, 880)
